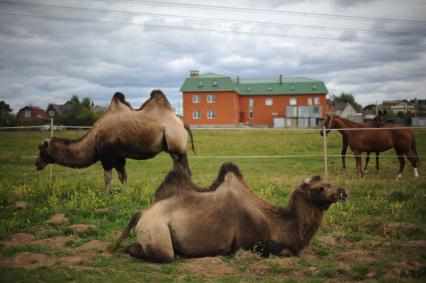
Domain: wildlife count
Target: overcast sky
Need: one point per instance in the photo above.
(51, 50)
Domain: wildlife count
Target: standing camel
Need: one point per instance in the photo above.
(120, 133)
(372, 140)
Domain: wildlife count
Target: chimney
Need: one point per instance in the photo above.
(238, 79)
(194, 73)
(281, 79)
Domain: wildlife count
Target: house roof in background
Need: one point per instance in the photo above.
(254, 86)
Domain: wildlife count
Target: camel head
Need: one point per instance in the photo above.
(320, 193)
(44, 156)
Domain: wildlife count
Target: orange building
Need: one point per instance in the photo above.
(213, 99)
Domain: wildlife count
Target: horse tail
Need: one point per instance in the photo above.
(188, 129)
(132, 223)
(414, 149)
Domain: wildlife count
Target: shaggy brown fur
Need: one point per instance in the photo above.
(123, 132)
(187, 222)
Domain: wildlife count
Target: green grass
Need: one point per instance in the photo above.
(355, 224)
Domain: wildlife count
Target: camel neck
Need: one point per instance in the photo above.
(306, 216)
(77, 153)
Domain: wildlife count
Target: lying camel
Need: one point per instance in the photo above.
(228, 216)
(123, 132)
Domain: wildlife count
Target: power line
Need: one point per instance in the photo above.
(213, 19)
(67, 19)
(263, 11)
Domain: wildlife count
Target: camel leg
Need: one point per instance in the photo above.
(136, 250)
(401, 164)
(180, 163)
(367, 159)
(377, 161)
(108, 179)
(343, 153)
(121, 170)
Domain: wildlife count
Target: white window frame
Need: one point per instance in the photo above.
(269, 101)
(317, 100)
(310, 101)
(196, 98)
(314, 86)
(211, 98)
(27, 113)
(196, 115)
(215, 83)
(293, 100)
(248, 88)
(292, 87)
(200, 83)
(269, 88)
(251, 108)
(211, 114)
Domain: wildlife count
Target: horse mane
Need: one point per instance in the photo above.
(351, 123)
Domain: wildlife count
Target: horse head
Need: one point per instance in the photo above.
(379, 120)
(328, 124)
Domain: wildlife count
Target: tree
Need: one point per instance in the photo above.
(348, 98)
(6, 118)
(81, 113)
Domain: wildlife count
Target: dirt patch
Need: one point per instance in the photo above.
(395, 228)
(23, 205)
(406, 269)
(419, 245)
(27, 260)
(209, 267)
(53, 243)
(356, 257)
(21, 238)
(81, 228)
(57, 219)
(93, 245)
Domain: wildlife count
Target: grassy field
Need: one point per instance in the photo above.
(379, 234)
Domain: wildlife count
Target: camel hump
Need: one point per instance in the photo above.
(117, 101)
(227, 168)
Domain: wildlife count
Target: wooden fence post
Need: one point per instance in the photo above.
(324, 135)
(51, 135)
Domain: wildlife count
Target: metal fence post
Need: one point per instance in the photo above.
(324, 135)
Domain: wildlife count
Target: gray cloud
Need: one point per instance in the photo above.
(47, 61)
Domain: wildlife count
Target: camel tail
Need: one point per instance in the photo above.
(132, 223)
(414, 149)
(188, 129)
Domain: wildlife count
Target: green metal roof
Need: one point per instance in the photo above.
(255, 86)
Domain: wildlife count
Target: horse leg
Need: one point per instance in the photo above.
(401, 164)
(413, 160)
(343, 153)
(136, 250)
(377, 161)
(367, 159)
(358, 154)
(121, 170)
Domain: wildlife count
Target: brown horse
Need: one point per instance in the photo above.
(377, 122)
(368, 140)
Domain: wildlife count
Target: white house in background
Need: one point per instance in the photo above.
(345, 110)
(400, 106)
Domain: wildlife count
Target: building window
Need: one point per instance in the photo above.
(200, 83)
(196, 99)
(310, 101)
(215, 83)
(293, 100)
(251, 108)
(292, 87)
(269, 101)
(27, 114)
(248, 88)
(317, 101)
(314, 86)
(269, 87)
(211, 98)
(196, 115)
(211, 114)
(315, 110)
